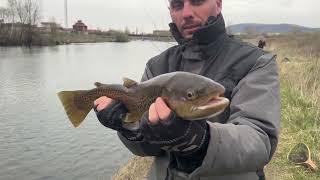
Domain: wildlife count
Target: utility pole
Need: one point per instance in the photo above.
(66, 13)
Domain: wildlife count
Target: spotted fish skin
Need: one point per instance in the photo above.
(185, 93)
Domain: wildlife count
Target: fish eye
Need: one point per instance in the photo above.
(190, 95)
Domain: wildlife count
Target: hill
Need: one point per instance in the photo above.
(268, 28)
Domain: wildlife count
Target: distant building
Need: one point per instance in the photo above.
(79, 26)
(50, 26)
(165, 33)
(1, 21)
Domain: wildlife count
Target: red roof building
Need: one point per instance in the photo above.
(79, 26)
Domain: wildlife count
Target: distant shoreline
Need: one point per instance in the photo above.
(62, 38)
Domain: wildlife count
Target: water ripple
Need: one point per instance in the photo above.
(36, 139)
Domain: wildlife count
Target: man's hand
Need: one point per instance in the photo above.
(161, 127)
(159, 111)
(110, 113)
(102, 103)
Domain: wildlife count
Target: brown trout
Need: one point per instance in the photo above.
(190, 96)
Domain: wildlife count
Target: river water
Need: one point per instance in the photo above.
(37, 141)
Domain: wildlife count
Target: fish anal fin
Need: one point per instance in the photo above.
(129, 82)
(132, 117)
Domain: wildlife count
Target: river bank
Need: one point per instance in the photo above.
(59, 38)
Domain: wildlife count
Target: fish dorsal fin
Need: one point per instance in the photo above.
(98, 84)
(129, 82)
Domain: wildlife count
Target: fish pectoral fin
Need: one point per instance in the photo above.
(129, 82)
(132, 117)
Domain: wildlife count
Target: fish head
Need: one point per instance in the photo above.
(194, 97)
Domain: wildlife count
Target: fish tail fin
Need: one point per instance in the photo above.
(75, 113)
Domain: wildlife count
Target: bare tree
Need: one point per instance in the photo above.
(4, 14)
(5, 30)
(53, 27)
(23, 15)
(31, 9)
(12, 10)
(127, 30)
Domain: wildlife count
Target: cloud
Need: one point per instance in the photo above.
(147, 15)
(273, 11)
(143, 14)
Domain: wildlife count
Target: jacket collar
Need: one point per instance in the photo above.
(207, 34)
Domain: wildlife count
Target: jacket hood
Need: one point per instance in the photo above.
(208, 33)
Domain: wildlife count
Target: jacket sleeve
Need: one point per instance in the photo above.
(248, 140)
(137, 147)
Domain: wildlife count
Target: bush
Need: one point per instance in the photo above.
(121, 37)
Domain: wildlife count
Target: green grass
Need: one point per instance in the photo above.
(299, 123)
(298, 112)
(300, 104)
(298, 57)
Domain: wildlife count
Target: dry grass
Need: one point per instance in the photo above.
(299, 63)
(137, 168)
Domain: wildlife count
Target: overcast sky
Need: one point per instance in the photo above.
(153, 14)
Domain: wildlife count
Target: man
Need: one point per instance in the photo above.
(234, 145)
(261, 43)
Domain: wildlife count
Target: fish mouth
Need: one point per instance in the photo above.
(215, 105)
(219, 102)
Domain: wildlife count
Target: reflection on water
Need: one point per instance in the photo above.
(36, 139)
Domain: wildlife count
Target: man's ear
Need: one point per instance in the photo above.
(168, 4)
(219, 6)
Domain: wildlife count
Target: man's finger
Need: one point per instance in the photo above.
(153, 115)
(162, 109)
(102, 103)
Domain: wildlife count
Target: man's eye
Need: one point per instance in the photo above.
(176, 4)
(197, 2)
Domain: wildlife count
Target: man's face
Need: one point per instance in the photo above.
(190, 15)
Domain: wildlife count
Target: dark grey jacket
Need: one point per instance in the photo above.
(244, 137)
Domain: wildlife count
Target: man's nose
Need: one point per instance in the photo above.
(187, 11)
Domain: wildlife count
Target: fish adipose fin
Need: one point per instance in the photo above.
(76, 113)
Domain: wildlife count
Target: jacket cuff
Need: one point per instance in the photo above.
(211, 150)
(140, 147)
(210, 154)
(188, 163)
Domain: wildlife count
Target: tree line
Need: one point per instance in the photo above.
(18, 22)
